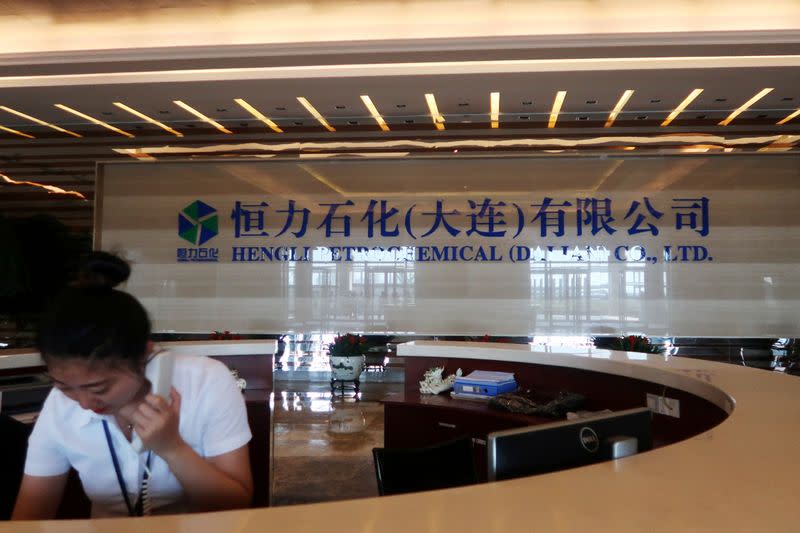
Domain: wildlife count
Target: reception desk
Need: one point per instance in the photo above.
(412, 419)
(739, 475)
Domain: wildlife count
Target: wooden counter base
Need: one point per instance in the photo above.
(412, 419)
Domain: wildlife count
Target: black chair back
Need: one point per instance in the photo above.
(13, 449)
(441, 466)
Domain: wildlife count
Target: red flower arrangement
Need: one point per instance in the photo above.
(224, 336)
(487, 338)
(348, 345)
(636, 343)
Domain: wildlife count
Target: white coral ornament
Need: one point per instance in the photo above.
(433, 382)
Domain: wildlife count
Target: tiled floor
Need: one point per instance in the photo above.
(322, 445)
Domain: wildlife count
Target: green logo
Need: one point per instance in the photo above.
(198, 223)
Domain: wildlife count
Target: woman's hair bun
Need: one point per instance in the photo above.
(102, 269)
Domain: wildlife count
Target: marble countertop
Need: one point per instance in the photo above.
(739, 476)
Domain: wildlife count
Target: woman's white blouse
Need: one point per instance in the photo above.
(213, 421)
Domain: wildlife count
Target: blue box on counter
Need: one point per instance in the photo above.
(485, 383)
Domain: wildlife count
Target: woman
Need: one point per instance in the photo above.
(94, 340)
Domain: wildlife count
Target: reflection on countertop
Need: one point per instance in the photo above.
(322, 444)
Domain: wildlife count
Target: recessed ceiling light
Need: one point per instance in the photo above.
(316, 114)
(736, 112)
(374, 112)
(260, 116)
(201, 116)
(494, 109)
(148, 119)
(15, 132)
(683, 105)
(618, 108)
(557, 103)
(790, 117)
(36, 120)
(438, 119)
(92, 119)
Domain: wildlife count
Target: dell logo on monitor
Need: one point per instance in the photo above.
(589, 439)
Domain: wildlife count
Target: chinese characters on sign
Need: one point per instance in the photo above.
(485, 218)
(198, 255)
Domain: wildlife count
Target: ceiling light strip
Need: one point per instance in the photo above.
(92, 119)
(51, 189)
(736, 112)
(438, 118)
(142, 156)
(557, 103)
(258, 114)
(787, 119)
(433, 68)
(142, 116)
(198, 114)
(15, 132)
(618, 108)
(316, 114)
(374, 112)
(407, 144)
(37, 121)
(494, 109)
(784, 143)
(683, 105)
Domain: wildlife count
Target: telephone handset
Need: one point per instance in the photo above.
(159, 372)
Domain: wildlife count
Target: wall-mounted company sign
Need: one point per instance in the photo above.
(476, 222)
(696, 245)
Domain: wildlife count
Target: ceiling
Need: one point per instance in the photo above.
(461, 73)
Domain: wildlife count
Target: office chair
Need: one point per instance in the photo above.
(13, 448)
(402, 470)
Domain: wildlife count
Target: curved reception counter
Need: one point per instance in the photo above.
(726, 464)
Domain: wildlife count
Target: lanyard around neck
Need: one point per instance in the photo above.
(138, 509)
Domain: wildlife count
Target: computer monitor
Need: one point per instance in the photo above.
(549, 447)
